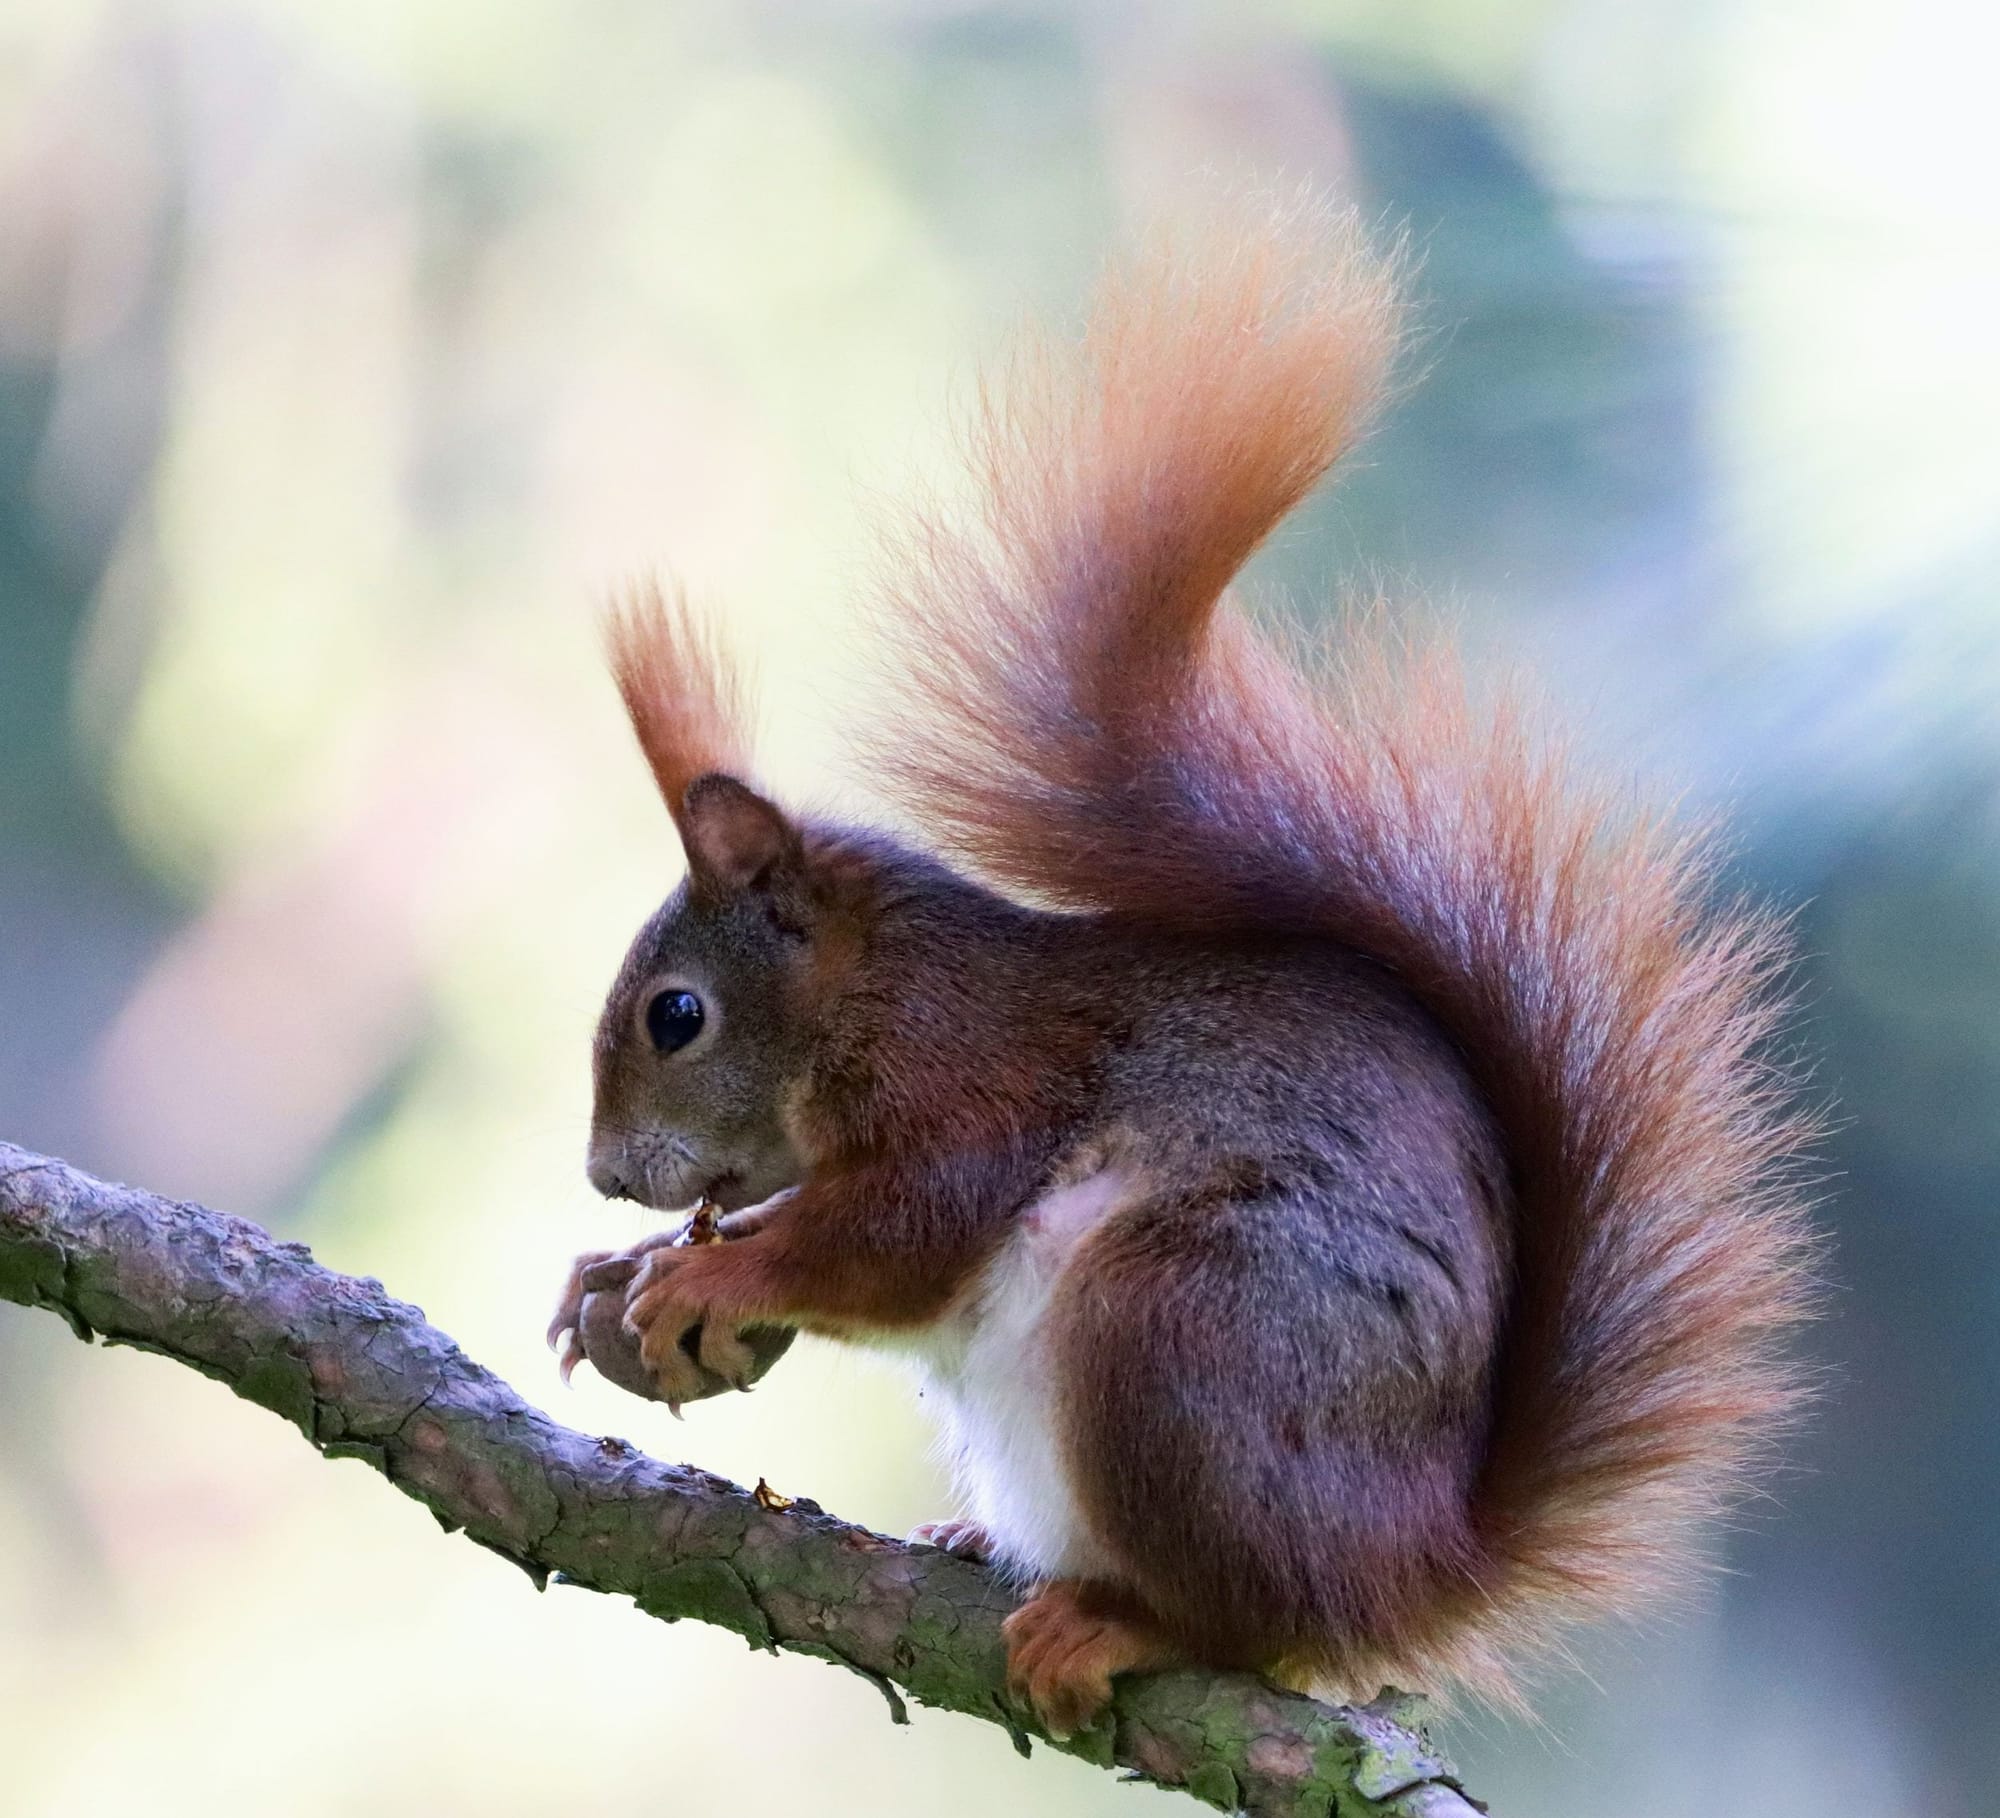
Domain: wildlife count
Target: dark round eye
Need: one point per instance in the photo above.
(673, 1019)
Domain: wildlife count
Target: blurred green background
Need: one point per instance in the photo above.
(347, 351)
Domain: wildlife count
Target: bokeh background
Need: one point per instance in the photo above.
(347, 351)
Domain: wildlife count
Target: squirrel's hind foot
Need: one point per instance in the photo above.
(1065, 1644)
(961, 1539)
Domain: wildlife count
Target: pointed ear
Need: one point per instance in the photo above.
(735, 839)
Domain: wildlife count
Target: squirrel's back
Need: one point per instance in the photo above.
(1101, 729)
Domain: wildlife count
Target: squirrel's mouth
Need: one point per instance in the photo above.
(724, 1191)
(662, 1173)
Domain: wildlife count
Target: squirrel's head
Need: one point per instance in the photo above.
(704, 1038)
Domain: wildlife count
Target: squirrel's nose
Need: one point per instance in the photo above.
(610, 1173)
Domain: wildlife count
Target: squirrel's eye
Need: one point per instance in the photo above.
(673, 1019)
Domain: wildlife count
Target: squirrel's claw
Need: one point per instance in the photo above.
(571, 1352)
(569, 1308)
(961, 1539)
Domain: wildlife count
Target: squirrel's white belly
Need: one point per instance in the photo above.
(992, 1389)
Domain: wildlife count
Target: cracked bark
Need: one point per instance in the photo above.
(364, 1376)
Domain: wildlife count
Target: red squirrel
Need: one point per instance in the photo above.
(1324, 1154)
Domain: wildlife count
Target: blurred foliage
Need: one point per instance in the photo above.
(347, 351)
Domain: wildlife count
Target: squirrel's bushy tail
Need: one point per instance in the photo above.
(1101, 729)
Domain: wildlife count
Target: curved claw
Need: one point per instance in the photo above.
(962, 1539)
(568, 1317)
(569, 1309)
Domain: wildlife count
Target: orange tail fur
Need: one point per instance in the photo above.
(1101, 728)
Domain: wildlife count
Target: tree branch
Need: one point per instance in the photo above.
(363, 1376)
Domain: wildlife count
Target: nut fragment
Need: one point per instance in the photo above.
(703, 1226)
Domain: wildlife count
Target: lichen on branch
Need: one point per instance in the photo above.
(364, 1376)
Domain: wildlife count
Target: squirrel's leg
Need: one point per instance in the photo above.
(837, 1255)
(1272, 1406)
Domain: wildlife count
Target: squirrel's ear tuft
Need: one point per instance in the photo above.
(735, 839)
(686, 701)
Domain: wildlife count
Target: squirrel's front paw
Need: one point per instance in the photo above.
(593, 1323)
(685, 1341)
(585, 1328)
(566, 1329)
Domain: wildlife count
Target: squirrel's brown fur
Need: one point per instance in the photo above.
(1384, 891)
